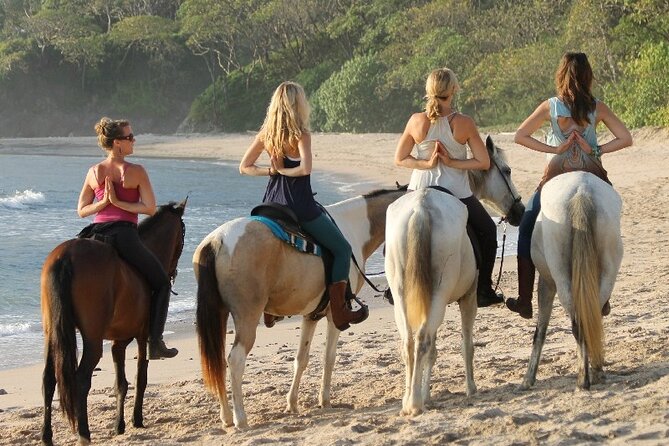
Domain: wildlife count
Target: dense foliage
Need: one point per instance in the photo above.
(203, 65)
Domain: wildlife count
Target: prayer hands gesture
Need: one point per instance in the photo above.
(276, 164)
(110, 192)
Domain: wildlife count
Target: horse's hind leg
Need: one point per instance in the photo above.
(583, 380)
(546, 293)
(329, 356)
(140, 384)
(301, 361)
(245, 336)
(48, 389)
(118, 355)
(406, 350)
(92, 352)
(468, 309)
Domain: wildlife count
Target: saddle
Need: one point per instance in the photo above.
(286, 219)
(573, 159)
(99, 231)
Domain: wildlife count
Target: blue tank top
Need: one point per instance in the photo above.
(556, 137)
(294, 192)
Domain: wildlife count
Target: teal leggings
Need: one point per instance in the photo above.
(329, 236)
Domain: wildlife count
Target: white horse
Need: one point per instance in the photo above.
(430, 263)
(243, 269)
(577, 249)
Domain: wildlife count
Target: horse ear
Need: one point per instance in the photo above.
(182, 206)
(489, 145)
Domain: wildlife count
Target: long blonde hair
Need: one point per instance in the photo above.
(286, 120)
(440, 83)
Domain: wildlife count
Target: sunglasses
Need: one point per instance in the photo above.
(129, 137)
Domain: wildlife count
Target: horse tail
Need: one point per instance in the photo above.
(418, 271)
(211, 317)
(585, 272)
(60, 335)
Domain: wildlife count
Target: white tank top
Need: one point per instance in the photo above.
(455, 180)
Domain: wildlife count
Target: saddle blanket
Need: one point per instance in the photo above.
(294, 240)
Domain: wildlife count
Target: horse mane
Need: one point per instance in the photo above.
(149, 223)
(378, 192)
(477, 177)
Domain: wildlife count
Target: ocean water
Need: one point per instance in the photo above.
(38, 199)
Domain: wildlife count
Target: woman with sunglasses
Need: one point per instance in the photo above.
(440, 136)
(116, 191)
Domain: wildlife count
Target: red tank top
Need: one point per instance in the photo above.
(111, 212)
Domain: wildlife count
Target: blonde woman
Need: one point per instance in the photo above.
(116, 191)
(286, 137)
(440, 136)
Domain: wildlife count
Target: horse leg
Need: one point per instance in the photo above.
(245, 336)
(406, 350)
(301, 360)
(118, 355)
(423, 345)
(92, 352)
(583, 380)
(329, 356)
(48, 389)
(468, 308)
(140, 384)
(546, 292)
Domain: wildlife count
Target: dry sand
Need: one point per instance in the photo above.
(632, 407)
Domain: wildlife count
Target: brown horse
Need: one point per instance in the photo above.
(86, 285)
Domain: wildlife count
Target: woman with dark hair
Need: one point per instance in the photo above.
(116, 191)
(573, 114)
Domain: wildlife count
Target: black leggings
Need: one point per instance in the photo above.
(486, 232)
(125, 238)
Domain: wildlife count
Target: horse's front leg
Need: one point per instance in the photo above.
(48, 389)
(140, 384)
(92, 352)
(329, 356)
(301, 360)
(245, 336)
(121, 388)
(546, 294)
(468, 310)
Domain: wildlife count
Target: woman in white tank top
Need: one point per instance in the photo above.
(440, 137)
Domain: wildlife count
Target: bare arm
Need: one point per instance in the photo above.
(147, 199)
(247, 166)
(413, 132)
(87, 204)
(622, 139)
(532, 124)
(304, 147)
(480, 159)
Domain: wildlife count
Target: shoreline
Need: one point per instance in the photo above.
(631, 407)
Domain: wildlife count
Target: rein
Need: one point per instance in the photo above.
(173, 274)
(501, 262)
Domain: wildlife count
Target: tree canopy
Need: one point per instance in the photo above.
(202, 65)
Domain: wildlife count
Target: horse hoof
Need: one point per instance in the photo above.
(83, 441)
(291, 409)
(524, 386)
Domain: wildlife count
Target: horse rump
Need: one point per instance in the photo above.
(59, 329)
(211, 320)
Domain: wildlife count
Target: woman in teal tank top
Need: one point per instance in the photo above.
(573, 116)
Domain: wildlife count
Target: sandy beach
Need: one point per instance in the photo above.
(631, 407)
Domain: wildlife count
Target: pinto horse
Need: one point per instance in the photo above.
(243, 269)
(577, 249)
(430, 263)
(86, 286)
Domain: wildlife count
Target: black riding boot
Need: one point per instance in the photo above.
(523, 305)
(160, 302)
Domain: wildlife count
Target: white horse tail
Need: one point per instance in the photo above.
(585, 276)
(418, 272)
(211, 317)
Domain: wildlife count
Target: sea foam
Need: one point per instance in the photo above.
(22, 200)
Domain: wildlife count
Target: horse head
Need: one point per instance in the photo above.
(496, 187)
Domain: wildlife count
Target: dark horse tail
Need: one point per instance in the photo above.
(212, 318)
(60, 336)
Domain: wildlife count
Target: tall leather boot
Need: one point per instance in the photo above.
(523, 305)
(342, 315)
(160, 302)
